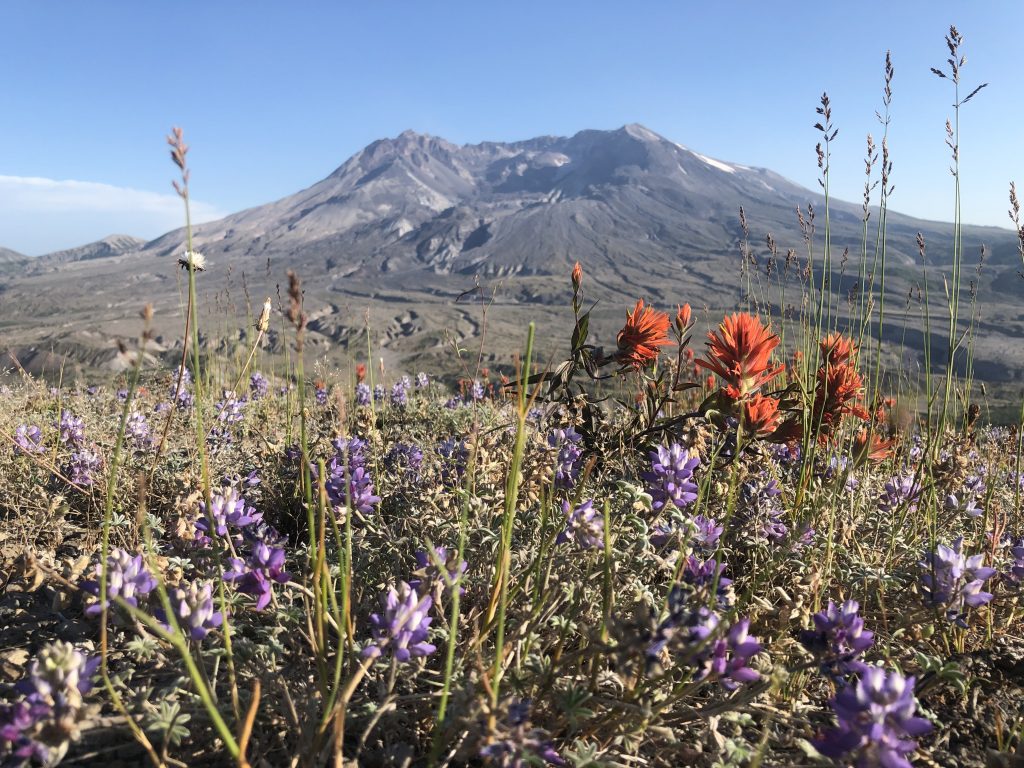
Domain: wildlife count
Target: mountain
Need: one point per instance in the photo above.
(112, 245)
(10, 260)
(405, 227)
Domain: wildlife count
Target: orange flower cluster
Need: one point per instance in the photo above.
(644, 332)
(867, 446)
(738, 354)
(760, 416)
(840, 389)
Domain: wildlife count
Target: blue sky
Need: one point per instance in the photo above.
(274, 96)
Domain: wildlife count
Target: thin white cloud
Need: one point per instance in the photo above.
(39, 215)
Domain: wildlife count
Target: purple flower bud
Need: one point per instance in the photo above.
(227, 508)
(58, 676)
(434, 579)
(1014, 575)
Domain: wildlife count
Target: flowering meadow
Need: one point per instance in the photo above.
(735, 544)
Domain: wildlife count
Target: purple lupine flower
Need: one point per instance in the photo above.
(452, 403)
(422, 380)
(362, 394)
(193, 607)
(730, 656)
(72, 429)
(259, 387)
(351, 450)
(436, 580)
(876, 722)
(400, 393)
(761, 507)
(183, 399)
(122, 395)
(670, 480)
(263, 567)
(227, 508)
(839, 466)
(950, 579)
(477, 391)
(584, 525)
(838, 638)
(251, 480)
(403, 628)
(162, 407)
(689, 634)
(127, 578)
(806, 537)
(320, 394)
(405, 461)
(900, 491)
(967, 500)
(1014, 575)
(229, 410)
(692, 633)
(698, 532)
(703, 575)
(706, 532)
(82, 465)
(357, 492)
(518, 745)
(455, 454)
(136, 429)
(219, 439)
(567, 443)
(28, 440)
(58, 676)
(378, 393)
(21, 726)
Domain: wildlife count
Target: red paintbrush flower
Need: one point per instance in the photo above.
(577, 276)
(638, 341)
(360, 372)
(836, 349)
(837, 394)
(738, 353)
(683, 318)
(867, 446)
(760, 416)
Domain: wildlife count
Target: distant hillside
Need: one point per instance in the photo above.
(112, 245)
